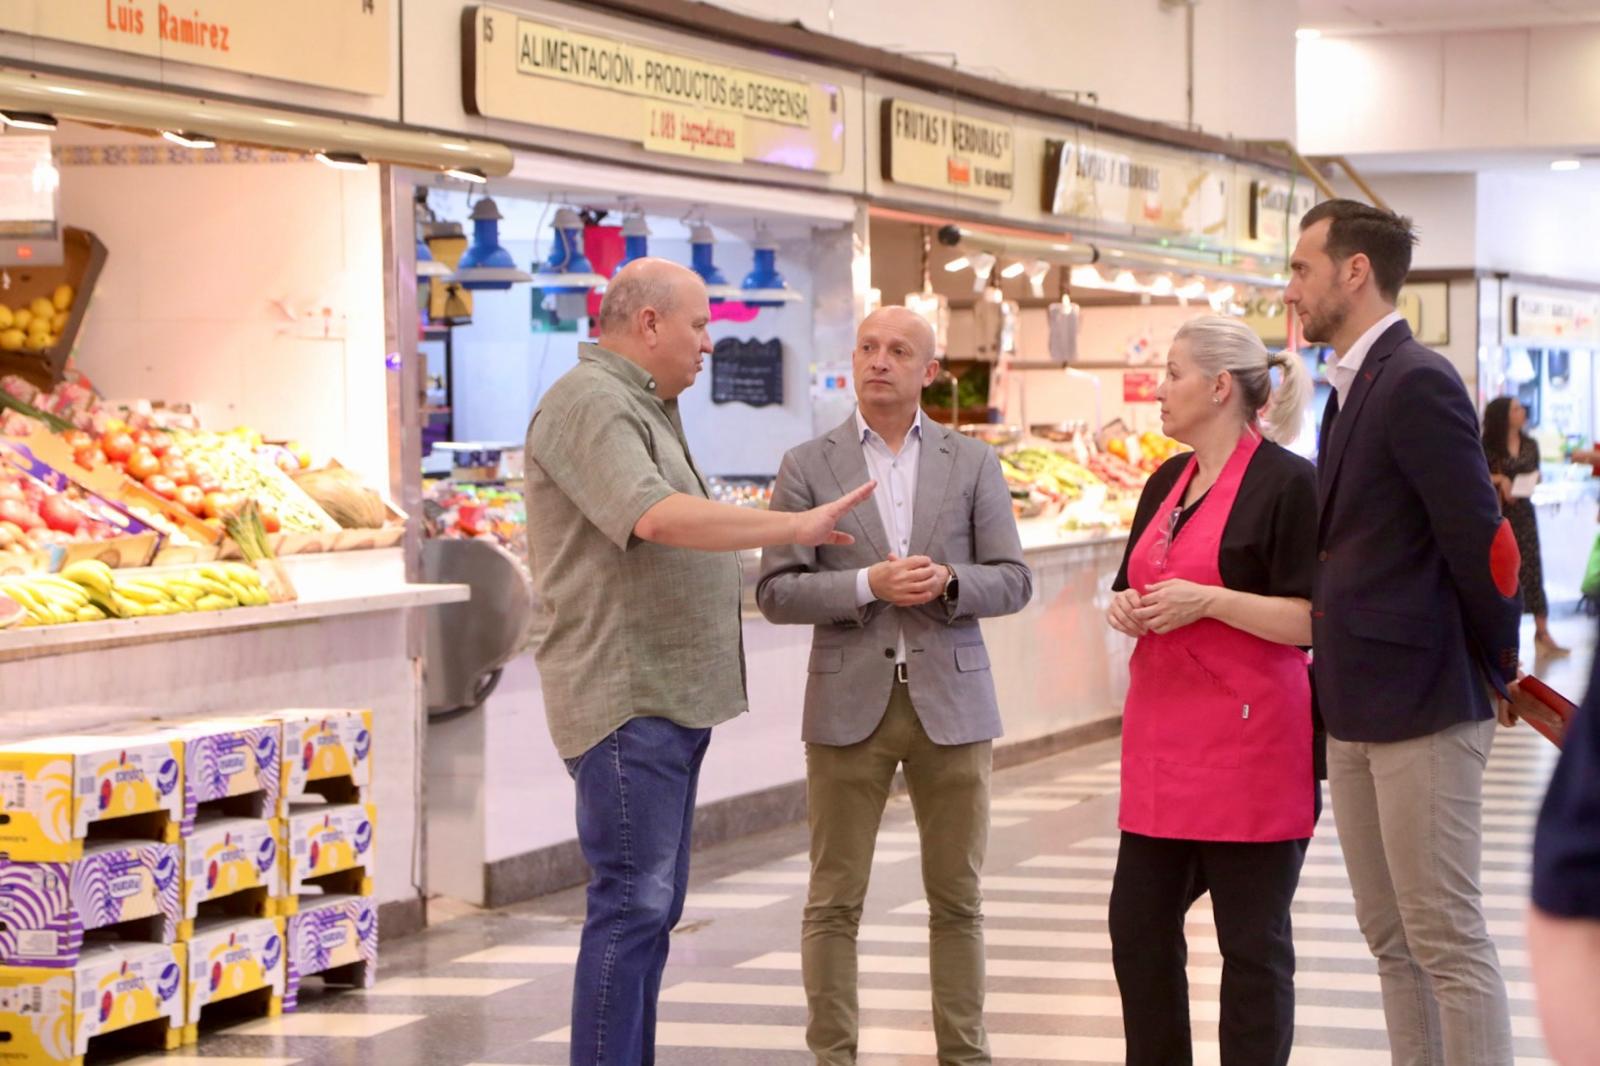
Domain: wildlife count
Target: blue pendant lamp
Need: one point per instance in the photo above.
(567, 271)
(635, 240)
(701, 243)
(764, 286)
(567, 277)
(485, 265)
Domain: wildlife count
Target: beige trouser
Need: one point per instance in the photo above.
(846, 788)
(1410, 818)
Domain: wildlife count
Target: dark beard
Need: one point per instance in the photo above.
(1321, 328)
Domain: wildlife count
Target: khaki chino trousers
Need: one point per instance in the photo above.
(846, 789)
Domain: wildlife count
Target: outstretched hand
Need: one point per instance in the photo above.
(818, 525)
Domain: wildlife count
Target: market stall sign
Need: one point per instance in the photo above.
(1552, 317)
(1139, 386)
(334, 44)
(1275, 209)
(1121, 184)
(524, 70)
(747, 372)
(936, 148)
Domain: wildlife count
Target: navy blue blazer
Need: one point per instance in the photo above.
(1408, 626)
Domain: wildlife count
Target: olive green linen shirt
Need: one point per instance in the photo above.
(631, 629)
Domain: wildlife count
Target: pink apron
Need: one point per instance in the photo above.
(1216, 735)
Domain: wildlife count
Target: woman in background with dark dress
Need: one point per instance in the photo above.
(1512, 453)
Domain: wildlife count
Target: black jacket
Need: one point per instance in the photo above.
(1408, 625)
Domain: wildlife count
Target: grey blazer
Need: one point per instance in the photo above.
(963, 517)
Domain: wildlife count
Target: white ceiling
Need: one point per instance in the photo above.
(1468, 162)
(1380, 16)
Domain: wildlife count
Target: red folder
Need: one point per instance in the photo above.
(1553, 700)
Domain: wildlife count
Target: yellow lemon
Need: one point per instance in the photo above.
(11, 340)
(21, 319)
(39, 327)
(62, 298)
(59, 324)
(5, 317)
(37, 342)
(42, 308)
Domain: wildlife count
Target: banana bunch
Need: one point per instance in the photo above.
(210, 587)
(50, 599)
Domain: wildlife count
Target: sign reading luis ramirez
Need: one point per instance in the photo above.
(935, 148)
(524, 70)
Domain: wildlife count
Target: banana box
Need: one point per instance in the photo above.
(332, 933)
(328, 840)
(323, 745)
(230, 957)
(226, 856)
(227, 759)
(46, 908)
(49, 1016)
(53, 788)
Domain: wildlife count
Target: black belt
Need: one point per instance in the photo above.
(900, 674)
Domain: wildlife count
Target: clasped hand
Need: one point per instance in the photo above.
(1163, 607)
(908, 582)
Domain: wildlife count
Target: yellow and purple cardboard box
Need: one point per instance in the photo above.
(53, 788)
(46, 908)
(318, 745)
(330, 932)
(226, 856)
(49, 1016)
(224, 758)
(232, 957)
(327, 840)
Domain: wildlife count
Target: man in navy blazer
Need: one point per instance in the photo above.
(1415, 624)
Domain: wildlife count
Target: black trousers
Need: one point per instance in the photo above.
(1251, 887)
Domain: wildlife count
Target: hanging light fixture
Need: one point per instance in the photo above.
(567, 277)
(701, 244)
(343, 160)
(189, 139)
(485, 264)
(1014, 270)
(764, 286)
(28, 120)
(960, 262)
(1038, 270)
(427, 265)
(635, 240)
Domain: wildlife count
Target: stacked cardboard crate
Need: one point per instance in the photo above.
(59, 887)
(151, 872)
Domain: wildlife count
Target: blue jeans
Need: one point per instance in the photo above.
(636, 791)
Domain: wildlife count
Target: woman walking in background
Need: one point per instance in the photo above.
(1513, 453)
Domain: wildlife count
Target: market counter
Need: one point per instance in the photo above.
(500, 814)
(345, 644)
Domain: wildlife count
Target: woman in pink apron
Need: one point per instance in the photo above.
(1217, 783)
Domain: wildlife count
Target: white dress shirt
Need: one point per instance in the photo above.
(1343, 373)
(896, 497)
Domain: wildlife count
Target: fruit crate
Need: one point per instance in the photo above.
(54, 790)
(326, 755)
(232, 867)
(129, 887)
(235, 961)
(113, 991)
(328, 848)
(334, 937)
(84, 257)
(231, 765)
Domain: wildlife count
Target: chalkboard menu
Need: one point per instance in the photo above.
(747, 372)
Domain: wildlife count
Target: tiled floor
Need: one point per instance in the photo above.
(493, 988)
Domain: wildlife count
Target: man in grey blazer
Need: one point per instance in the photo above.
(899, 675)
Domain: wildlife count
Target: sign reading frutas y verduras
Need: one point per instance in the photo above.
(936, 148)
(1125, 185)
(335, 44)
(525, 70)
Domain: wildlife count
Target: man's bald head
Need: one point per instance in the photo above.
(904, 321)
(659, 284)
(655, 314)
